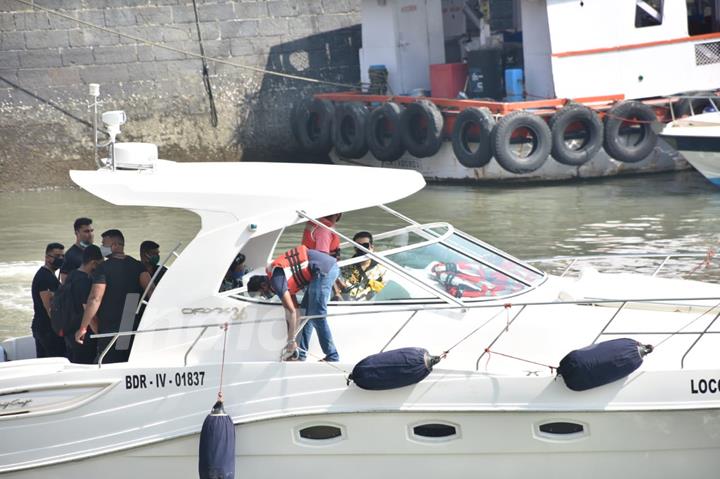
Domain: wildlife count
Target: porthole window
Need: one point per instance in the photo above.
(561, 428)
(320, 432)
(434, 431)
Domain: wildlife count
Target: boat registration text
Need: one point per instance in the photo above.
(163, 380)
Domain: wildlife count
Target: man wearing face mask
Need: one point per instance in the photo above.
(113, 280)
(80, 283)
(84, 236)
(150, 258)
(44, 284)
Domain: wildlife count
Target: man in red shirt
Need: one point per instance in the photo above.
(318, 238)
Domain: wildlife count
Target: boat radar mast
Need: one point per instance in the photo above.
(127, 156)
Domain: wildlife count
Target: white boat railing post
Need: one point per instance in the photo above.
(612, 318)
(399, 330)
(492, 343)
(667, 258)
(187, 353)
(700, 336)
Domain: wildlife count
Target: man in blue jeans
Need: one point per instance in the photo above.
(294, 270)
(316, 299)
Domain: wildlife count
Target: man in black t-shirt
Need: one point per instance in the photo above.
(84, 236)
(113, 280)
(44, 284)
(80, 282)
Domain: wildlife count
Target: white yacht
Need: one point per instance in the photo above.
(492, 407)
(697, 138)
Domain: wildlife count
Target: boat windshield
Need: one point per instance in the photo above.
(438, 256)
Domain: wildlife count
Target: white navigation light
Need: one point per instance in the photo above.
(94, 89)
(113, 120)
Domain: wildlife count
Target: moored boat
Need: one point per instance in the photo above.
(577, 102)
(501, 327)
(697, 138)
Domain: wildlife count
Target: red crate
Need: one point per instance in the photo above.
(448, 79)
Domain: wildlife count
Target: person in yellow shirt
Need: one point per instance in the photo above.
(362, 281)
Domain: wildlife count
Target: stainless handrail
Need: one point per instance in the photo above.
(574, 260)
(415, 309)
(154, 276)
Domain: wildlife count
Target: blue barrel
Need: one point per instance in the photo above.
(514, 84)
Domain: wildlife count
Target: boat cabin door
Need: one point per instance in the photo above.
(413, 46)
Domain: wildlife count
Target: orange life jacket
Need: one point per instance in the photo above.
(309, 236)
(465, 280)
(296, 265)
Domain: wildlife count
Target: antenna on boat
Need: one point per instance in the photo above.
(112, 120)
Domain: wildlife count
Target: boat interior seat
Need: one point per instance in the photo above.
(14, 349)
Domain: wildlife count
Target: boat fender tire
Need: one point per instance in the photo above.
(314, 128)
(479, 118)
(421, 126)
(501, 142)
(383, 132)
(559, 123)
(614, 120)
(349, 136)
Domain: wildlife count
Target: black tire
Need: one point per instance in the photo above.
(349, 135)
(314, 126)
(593, 141)
(421, 126)
(462, 134)
(618, 135)
(383, 132)
(502, 142)
(688, 106)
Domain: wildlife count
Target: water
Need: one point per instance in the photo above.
(651, 213)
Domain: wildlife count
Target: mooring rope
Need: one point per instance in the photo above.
(188, 53)
(222, 364)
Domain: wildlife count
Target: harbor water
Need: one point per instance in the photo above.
(649, 213)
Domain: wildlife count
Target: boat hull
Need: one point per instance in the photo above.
(646, 444)
(702, 152)
(443, 166)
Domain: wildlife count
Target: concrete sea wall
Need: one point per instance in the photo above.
(47, 61)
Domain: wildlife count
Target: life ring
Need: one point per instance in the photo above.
(575, 118)
(383, 132)
(473, 125)
(314, 126)
(421, 126)
(623, 143)
(349, 135)
(516, 128)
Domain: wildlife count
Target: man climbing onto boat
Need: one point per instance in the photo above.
(297, 269)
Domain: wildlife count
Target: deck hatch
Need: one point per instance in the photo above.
(561, 428)
(434, 430)
(320, 432)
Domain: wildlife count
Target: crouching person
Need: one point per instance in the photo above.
(295, 270)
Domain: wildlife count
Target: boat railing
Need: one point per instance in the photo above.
(670, 303)
(713, 100)
(153, 279)
(573, 261)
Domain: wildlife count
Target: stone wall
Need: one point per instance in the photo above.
(47, 61)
